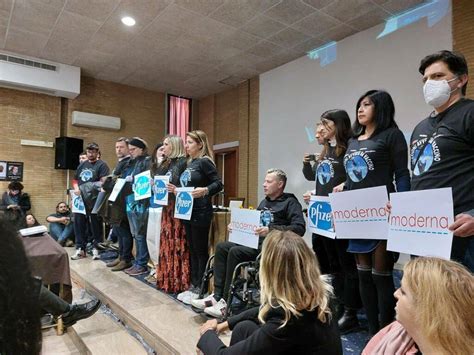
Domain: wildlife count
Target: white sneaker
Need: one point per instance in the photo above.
(209, 301)
(217, 310)
(95, 254)
(80, 254)
(187, 299)
(182, 294)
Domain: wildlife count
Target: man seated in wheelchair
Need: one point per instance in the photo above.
(280, 211)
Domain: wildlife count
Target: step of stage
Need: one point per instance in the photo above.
(58, 344)
(164, 324)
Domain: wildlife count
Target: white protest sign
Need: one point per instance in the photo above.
(419, 222)
(183, 208)
(320, 217)
(160, 190)
(244, 222)
(117, 188)
(77, 204)
(153, 232)
(360, 214)
(142, 186)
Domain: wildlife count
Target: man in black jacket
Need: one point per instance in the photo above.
(280, 211)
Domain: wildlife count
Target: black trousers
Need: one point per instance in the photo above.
(319, 250)
(228, 255)
(81, 222)
(343, 266)
(242, 331)
(460, 251)
(198, 242)
(51, 303)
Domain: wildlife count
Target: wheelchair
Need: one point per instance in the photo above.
(244, 292)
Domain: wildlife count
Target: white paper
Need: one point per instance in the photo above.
(142, 186)
(419, 222)
(244, 222)
(320, 217)
(183, 208)
(360, 214)
(160, 190)
(77, 204)
(116, 190)
(153, 233)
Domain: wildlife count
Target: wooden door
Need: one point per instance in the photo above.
(227, 161)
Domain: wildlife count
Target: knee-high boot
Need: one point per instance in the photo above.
(385, 299)
(368, 295)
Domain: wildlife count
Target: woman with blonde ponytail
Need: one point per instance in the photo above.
(294, 316)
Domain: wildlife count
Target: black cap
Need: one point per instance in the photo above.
(92, 146)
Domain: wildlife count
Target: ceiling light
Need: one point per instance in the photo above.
(128, 21)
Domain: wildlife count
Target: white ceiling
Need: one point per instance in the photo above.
(186, 47)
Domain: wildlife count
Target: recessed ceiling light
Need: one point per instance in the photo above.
(128, 21)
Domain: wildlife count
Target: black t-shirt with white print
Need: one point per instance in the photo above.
(374, 161)
(448, 158)
(329, 172)
(91, 172)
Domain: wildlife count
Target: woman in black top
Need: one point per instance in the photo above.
(294, 316)
(376, 156)
(201, 174)
(172, 270)
(330, 173)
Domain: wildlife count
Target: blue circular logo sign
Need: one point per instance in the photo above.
(184, 202)
(78, 205)
(160, 189)
(320, 215)
(142, 184)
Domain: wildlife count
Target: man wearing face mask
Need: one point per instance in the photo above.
(442, 145)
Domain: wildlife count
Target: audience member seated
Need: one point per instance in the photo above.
(22, 297)
(31, 221)
(435, 311)
(15, 203)
(280, 211)
(294, 316)
(60, 226)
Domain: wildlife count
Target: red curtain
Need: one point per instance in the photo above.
(179, 116)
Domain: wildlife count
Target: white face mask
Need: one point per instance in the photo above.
(437, 92)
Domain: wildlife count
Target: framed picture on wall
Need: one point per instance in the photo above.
(3, 170)
(15, 171)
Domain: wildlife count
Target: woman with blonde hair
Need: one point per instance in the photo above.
(435, 311)
(201, 174)
(294, 316)
(172, 270)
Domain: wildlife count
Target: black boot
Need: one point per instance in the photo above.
(80, 311)
(349, 322)
(386, 300)
(368, 295)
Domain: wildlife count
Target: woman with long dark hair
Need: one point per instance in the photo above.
(330, 173)
(201, 174)
(376, 156)
(172, 270)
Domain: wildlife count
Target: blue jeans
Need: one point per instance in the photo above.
(142, 256)
(61, 232)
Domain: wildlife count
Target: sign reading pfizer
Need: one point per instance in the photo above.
(183, 208)
(77, 204)
(142, 186)
(320, 217)
(160, 190)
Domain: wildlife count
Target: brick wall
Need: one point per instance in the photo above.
(233, 116)
(463, 29)
(32, 116)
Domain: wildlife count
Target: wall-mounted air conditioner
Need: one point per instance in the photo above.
(93, 120)
(37, 75)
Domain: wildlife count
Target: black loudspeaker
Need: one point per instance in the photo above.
(67, 152)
